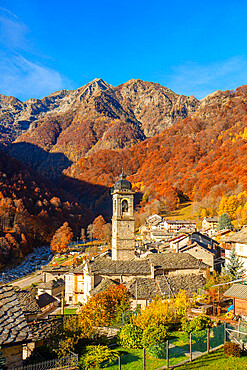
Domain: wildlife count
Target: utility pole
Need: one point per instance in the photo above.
(136, 294)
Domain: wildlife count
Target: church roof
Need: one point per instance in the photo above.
(122, 184)
(165, 261)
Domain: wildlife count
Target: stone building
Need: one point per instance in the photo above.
(210, 223)
(123, 223)
(15, 333)
(54, 272)
(53, 287)
(74, 285)
(237, 240)
(153, 266)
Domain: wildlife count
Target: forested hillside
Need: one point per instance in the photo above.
(173, 148)
(201, 156)
(31, 209)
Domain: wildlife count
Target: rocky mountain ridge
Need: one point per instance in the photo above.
(102, 116)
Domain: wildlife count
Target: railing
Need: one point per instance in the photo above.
(69, 362)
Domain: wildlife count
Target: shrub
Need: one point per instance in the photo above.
(130, 336)
(154, 334)
(157, 350)
(198, 323)
(98, 355)
(232, 349)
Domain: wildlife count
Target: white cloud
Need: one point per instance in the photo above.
(25, 79)
(200, 80)
(13, 32)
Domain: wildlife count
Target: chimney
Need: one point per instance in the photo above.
(152, 271)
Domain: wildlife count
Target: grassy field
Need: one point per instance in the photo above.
(217, 360)
(133, 360)
(70, 311)
(183, 213)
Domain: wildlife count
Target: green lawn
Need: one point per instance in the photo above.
(133, 360)
(69, 311)
(217, 360)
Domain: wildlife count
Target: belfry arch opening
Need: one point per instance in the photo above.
(125, 206)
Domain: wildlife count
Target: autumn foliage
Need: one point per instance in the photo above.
(61, 239)
(105, 308)
(201, 157)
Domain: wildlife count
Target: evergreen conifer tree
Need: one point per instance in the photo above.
(234, 267)
(224, 222)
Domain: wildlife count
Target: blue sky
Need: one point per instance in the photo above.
(191, 47)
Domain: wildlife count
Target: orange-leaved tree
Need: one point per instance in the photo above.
(106, 308)
(61, 239)
(98, 231)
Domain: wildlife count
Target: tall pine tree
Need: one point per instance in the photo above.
(224, 222)
(234, 267)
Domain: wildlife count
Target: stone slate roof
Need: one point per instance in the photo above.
(79, 269)
(13, 325)
(237, 291)
(103, 285)
(57, 269)
(45, 299)
(105, 266)
(176, 261)
(165, 261)
(43, 328)
(195, 244)
(211, 219)
(149, 288)
(27, 300)
(52, 284)
(239, 237)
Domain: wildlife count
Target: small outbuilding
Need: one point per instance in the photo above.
(238, 292)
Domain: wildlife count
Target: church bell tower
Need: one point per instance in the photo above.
(123, 223)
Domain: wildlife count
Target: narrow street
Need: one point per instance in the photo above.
(27, 281)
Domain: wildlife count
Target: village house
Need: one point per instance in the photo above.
(178, 242)
(53, 287)
(54, 272)
(74, 285)
(153, 221)
(15, 333)
(210, 223)
(239, 241)
(142, 290)
(204, 253)
(179, 225)
(28, 303)
(205, 249)
(159, 235)
(35, 305)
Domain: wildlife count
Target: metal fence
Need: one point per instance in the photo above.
(69, 362)
(175, 351)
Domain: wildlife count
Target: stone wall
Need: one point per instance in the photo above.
(13, 356)
(106, 331)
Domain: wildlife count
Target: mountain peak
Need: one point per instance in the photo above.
(95, 86)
